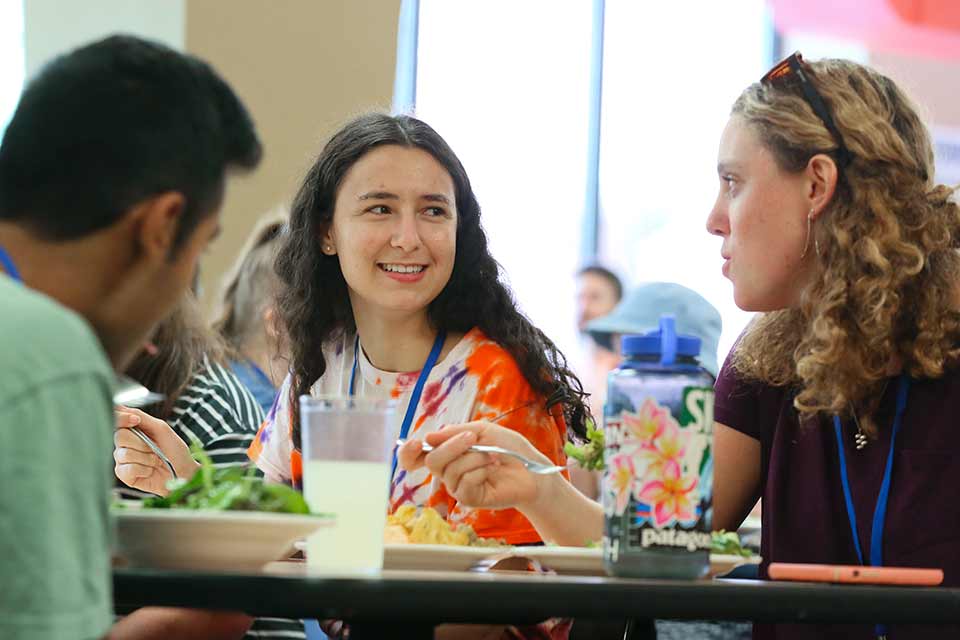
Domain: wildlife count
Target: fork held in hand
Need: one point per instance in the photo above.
(530, 465)
(156, 449)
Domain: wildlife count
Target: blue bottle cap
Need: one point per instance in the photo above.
(664, 342)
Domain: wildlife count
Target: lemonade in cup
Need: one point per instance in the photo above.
(347, 450)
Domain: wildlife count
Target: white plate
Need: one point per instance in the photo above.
(567, 560)
(589, 561)
(435, 557)
(439, 557)
(563, 560)
(722, 563)
(209, 540)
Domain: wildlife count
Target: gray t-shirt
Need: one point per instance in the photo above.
(56, 470)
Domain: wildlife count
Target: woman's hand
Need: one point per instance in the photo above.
(483, 480)
(554, 507)
(136, 464)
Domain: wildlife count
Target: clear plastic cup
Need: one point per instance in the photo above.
(347, 447)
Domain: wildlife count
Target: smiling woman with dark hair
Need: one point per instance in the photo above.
(385, 261)
(385, 264)
(387, 283)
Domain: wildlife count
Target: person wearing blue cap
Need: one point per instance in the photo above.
(640, 311)
(637, 313)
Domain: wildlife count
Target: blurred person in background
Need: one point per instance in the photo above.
(598, 292)
(640, 312)
(247, 317)
(112, 172)
(204, 401)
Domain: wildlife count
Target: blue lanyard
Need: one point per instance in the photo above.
(880, 512)
(7, 263)
(417, 388)
(258, 373)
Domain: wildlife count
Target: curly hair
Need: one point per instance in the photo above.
(884, 291)
(314, 303)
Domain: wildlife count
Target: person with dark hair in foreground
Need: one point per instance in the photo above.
(112, 170)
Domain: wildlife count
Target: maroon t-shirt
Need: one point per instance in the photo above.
(804, 516)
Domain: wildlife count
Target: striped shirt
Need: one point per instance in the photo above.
(219, 412)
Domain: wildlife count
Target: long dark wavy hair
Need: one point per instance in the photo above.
(314, 303)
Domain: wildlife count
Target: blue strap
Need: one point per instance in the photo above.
(880, 511)
(846, 488)
(353, 371)
(417, 388)
(7, 263)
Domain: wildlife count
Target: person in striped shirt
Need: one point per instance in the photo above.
(204, 400)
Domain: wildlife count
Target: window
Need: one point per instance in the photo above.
(671, 74)
(511, 92)
(11, 59)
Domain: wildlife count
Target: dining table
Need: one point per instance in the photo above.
(415, 601)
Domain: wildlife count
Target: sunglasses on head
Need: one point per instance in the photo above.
(792, 67)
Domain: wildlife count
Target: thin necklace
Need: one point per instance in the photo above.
(860, 437)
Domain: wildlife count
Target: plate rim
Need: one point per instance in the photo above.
(223, 516)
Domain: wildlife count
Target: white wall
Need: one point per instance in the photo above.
(52, 27)
(11, 58)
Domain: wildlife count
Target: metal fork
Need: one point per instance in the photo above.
(530, 465)
(131, 393)
(147, 440)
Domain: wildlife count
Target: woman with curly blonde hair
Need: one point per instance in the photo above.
(837, 404)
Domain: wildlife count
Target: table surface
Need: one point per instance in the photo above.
(288, 590)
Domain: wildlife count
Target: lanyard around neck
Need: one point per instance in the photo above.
(8, 265)
(417, 388)
(880, 511)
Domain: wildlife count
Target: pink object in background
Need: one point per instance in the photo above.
(929, 28)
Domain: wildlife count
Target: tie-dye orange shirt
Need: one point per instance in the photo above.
(477, 380)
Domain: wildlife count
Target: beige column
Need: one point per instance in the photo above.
(302, 67)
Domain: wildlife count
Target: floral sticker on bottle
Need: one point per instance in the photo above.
(655, 469)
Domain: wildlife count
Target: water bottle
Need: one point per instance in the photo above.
(658, 484)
